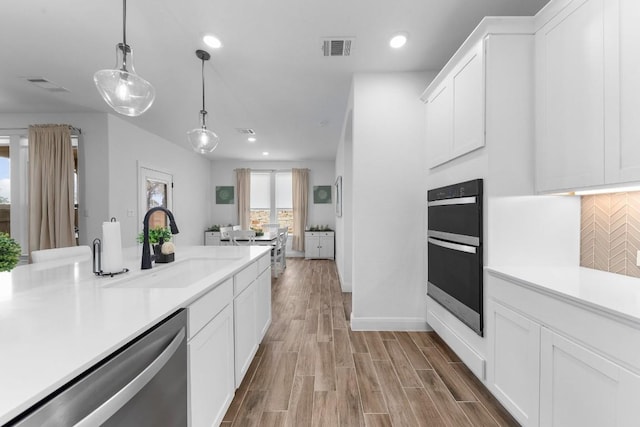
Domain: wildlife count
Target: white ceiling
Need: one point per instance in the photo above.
(270, 75)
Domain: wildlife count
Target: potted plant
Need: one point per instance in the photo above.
(9, 252)
(214, 227)
(158, 236)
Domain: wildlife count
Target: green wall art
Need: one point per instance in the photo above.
(321, 194)
(224, 195)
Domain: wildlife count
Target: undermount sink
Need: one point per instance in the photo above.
(179, 274)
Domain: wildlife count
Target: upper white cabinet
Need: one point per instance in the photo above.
(455, 109)
(483, 95)
(587, 88)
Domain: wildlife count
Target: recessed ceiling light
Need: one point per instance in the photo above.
(212, 41)
(265, 153)
(398, 40)
(251, 139)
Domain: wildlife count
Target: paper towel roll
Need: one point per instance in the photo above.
(112, 260)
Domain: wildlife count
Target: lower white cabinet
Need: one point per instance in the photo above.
(581, 388)
(211, 368)
(319, 244)
(246, 343)
(212, 238)
(515, 359)
(552, 363)
(263, 312)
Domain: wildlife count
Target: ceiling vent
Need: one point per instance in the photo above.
(246, 131)
(45, 84)
(337, 46)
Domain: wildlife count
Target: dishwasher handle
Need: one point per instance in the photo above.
(118, 400)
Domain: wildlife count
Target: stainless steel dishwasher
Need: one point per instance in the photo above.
(142, 384)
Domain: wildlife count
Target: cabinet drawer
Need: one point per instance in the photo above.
(264, 263)
(244, 278)
(206, 308)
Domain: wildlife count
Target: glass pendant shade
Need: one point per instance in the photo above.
(202, 139)
(121, 88)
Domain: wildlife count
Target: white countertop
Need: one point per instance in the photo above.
(611, 294)
(58, 320)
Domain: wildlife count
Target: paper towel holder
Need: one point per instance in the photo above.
(97, 260)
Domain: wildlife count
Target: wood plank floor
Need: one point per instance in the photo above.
(312, 370)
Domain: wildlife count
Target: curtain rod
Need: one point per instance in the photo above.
(270, 170)
(73, 128)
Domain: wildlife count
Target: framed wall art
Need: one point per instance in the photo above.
(321, 194)
(338, 186)
(224, 195)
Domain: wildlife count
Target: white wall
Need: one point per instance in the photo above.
(388, 201)
(129, 145)
(320, 173)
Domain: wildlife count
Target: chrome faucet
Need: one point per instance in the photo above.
(146, 253)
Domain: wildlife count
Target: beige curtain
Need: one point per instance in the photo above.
(243, 185)
(51, 207)
(300, 178)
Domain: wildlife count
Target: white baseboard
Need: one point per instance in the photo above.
(474, 361)
(388, 324)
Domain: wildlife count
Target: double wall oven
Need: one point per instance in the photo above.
(454, 257)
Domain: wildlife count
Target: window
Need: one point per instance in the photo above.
(156, 190)
(14, 175)
(271, 199)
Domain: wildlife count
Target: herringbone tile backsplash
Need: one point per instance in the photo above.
(610, 232)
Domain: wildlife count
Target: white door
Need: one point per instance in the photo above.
(155, 189)
(439, 111)
(468, 103)
(211, 370)
(245, 324)
(514, 373)
(570, 98)
(580, 388)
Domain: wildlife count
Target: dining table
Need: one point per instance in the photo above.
(268, 238)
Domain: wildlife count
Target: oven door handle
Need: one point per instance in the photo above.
(455, 201)
(118, 400)
(453, 246)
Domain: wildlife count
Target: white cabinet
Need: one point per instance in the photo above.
(246, 336)
(587, 86)
(210, 347)
(212, 238)
(263, 313)
(514, 355)
(581, 388)
(252, 312)
(555, 363)
(319, 244)
(211, 366)
(455, 109)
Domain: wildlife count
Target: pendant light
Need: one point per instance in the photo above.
(124, 90)
(202, 139)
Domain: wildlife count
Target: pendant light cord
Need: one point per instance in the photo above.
(203, 109)
(124, 35)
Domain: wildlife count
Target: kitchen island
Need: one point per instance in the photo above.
(57, 320)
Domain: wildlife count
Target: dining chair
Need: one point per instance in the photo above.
(278, 252)
(243, 237)
(226, 235)
(70, 254)
(236, 228)
(270, 227)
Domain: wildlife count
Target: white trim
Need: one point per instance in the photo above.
(476, 362)
(388, 324)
